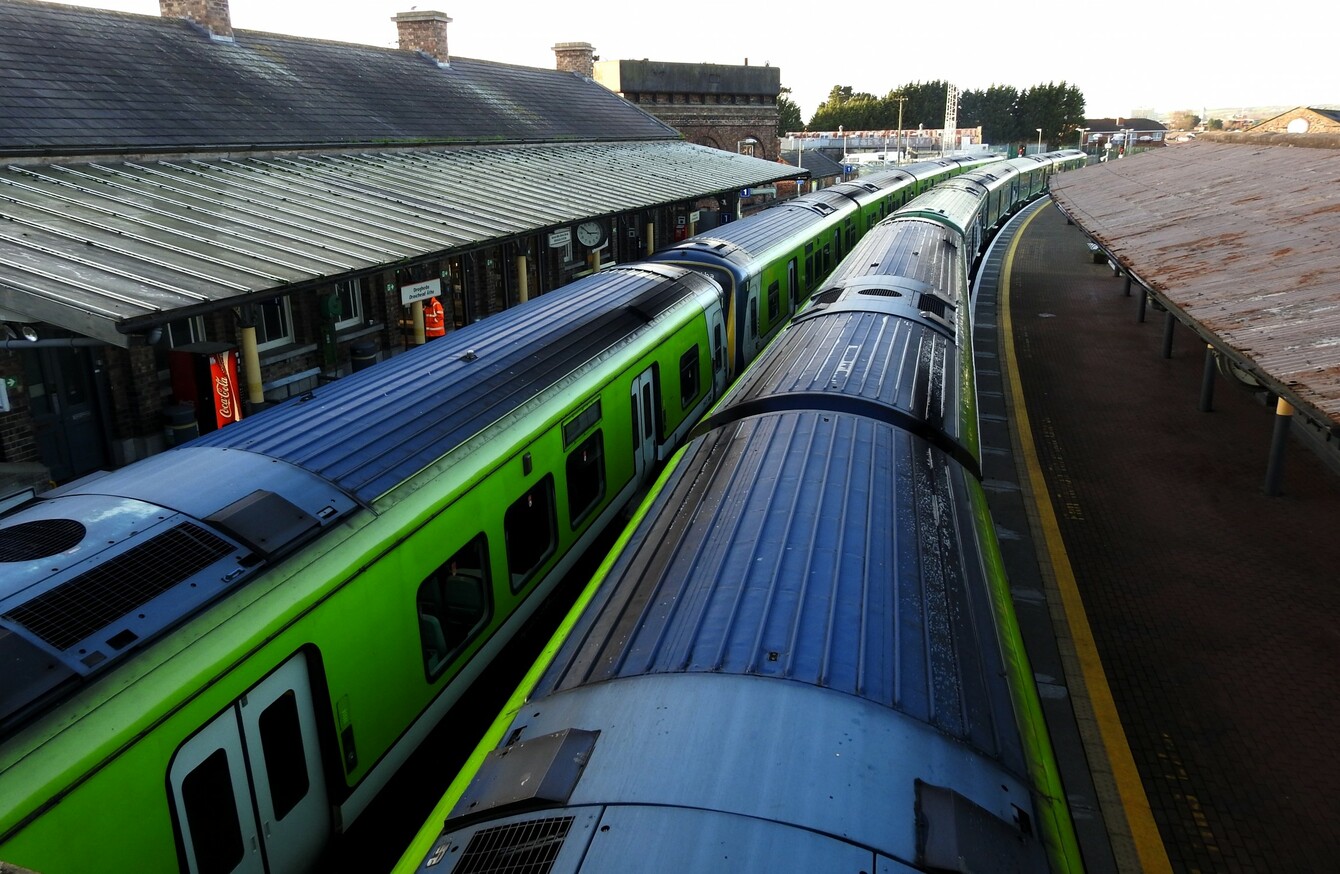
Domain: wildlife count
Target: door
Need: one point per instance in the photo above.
(793, 292)
(248, 789)
(63, 398)
(717, 326)
(643, 397)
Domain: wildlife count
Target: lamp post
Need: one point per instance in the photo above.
(1039, 130)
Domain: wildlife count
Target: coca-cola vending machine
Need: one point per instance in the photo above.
(204, 375)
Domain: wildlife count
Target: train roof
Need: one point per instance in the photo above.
(797, 545)
(372, 431)
(96, 568)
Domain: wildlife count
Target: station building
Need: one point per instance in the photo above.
(201, 221)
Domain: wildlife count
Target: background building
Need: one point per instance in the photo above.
(202, 221)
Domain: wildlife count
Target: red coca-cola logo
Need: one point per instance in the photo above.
(223, 369)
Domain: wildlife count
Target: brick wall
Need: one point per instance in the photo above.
(721, 126)
(1316, 122)
(424, 32)
(18, 442)
(211, 14)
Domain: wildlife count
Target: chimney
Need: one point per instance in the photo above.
(212, 15)
(576, 57)
(424, 32)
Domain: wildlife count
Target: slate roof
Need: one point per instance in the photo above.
(820, 165)
(1103, 125)
(75, 80)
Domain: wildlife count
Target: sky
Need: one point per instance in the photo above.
(1136, 55)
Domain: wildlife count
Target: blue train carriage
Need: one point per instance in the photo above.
(769, 263)
(802, 656)
(214, 658)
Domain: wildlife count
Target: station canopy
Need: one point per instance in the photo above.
(110, 249)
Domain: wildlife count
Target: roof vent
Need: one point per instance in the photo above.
(96, 598)
(519, 848)
(29, 541)
(933, 305)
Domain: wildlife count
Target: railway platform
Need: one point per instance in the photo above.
(1181, 623)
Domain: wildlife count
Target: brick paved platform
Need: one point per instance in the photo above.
(1216, 609)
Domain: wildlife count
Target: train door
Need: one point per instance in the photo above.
(792, 291)
(752, 336)
(716, 325)
(644, 422)
(248, 790)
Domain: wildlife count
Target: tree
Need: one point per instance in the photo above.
(1184, 119)
(1057, 109)
(851, 110)
(994, 110)
(1216, 124)
(788, 114)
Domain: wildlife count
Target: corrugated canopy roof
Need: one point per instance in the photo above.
(109, 249)
(1242, 238)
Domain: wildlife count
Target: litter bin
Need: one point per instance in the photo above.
(363, 355)
(181, 424)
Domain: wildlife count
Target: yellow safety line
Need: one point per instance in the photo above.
(1144, 833)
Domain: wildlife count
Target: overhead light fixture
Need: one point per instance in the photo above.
(29, 333)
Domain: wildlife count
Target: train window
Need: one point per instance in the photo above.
(688, 376)
(285, 762)
(580, 424)
(809, 265)
(531, 532)
(753, 316)
(216, 832)
(718, 349)
(453, 604)
(586, 478)
(648, 412)
(774, 300)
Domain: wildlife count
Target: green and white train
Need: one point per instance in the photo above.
(212, 660)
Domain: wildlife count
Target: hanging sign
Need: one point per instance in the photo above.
(420, 291)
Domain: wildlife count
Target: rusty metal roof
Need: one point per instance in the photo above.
(1241, 238)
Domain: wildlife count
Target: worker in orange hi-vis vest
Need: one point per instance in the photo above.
(434, 319)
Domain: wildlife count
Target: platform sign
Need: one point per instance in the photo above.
(420, 291)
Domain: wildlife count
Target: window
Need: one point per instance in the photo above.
(586, 478)
(285, 762)
(274, 323)
(453, 604)
(184, 331)
(774, 300)
(809, 265)
(688, 377)
(216, 832)
(718, 349)
(753, 317)
(531, 532)
(580, 424)
(350, 296)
